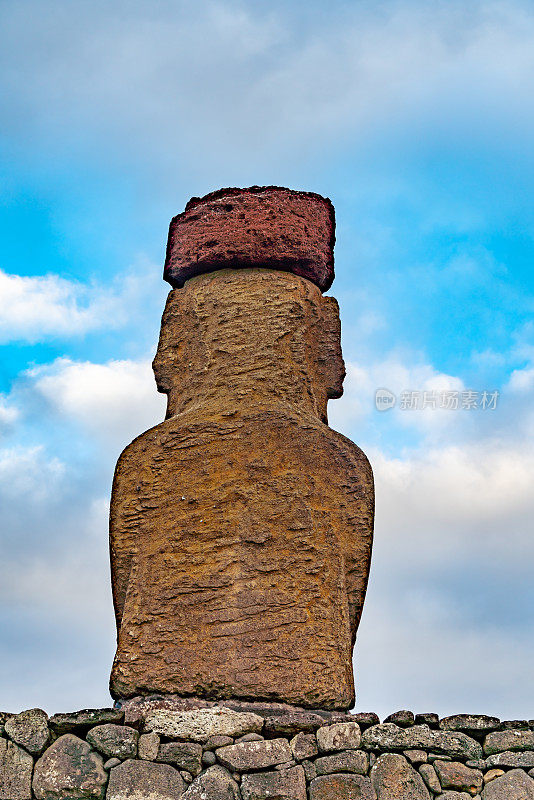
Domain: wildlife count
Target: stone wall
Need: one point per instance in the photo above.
(150, 750)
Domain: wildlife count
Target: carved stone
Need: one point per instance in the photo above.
(241, 526)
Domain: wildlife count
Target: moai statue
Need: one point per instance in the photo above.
(241, 526)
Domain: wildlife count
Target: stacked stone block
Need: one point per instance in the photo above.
(261, 751)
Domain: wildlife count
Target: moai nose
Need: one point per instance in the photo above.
(263, 226)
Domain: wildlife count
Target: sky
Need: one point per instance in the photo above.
(417, 120)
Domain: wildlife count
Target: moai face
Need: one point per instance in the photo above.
(241, 526)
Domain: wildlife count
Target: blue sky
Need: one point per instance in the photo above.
(417, 120)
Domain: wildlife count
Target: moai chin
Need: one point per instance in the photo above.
(241, 526)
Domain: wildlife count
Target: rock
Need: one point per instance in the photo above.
(265, 226)
(249, 756)
(250, 737)
(81, 721)
(514, 725)
(339, 736)
(289, 724)
(432, 720)
(69, 770)
(365, 719)
(188, 778)
(208, 758)
(278, 785)
(415, 756)
(148, 746)
(420, 737)
(114, 741)
(523, 759)
(454, 775)
(394, 779)
(452, 795)
(29, 729)
(492, 774)
(218, 741)
(214, 784)
(500, 741)
(303, 745)
(291, 606)
(471, 724)
(309, 770)
(144, 780)
(15, 772)
(110, 763)
(347, 761)
(404, 719)
(200, 725)
(514, 785)
(428, 774)
(184, 755)
(342, 787)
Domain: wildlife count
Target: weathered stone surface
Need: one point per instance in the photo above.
(500, 741)
(342, 787)
(471, 724)
(491, 774)
(270, 546)
(415, 756)
(514, 785)
(79, 721)
(291, 723)
(15, 772)
(394, 779)
(214, 784)
(455, 775)
(184, 755)
(29, 729)
(287, 784)
(249, 737)
(145, 780)
(247, 756)
(264, 226)
(428, 774)
(148, 746)
(114, 741)
(69, 770)
(430, 719)
(339, 736)
(404, 719)
(200, 725)
(303, 745)
(523, 759)
(365, 719)
(451, 794)
(514, 725)
(390, 737)
(347, 761)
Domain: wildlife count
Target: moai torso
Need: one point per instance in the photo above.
(241, 526)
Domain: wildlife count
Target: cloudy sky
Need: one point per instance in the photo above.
(417, 120)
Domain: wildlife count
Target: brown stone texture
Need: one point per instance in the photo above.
(263, 226)
(16, 767)
(241, 526)
(341, 787)
(144, 780)
(394, 779)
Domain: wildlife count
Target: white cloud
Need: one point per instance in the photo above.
(36, 308)
(27, 474)
(9, 413)
(116, 400)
